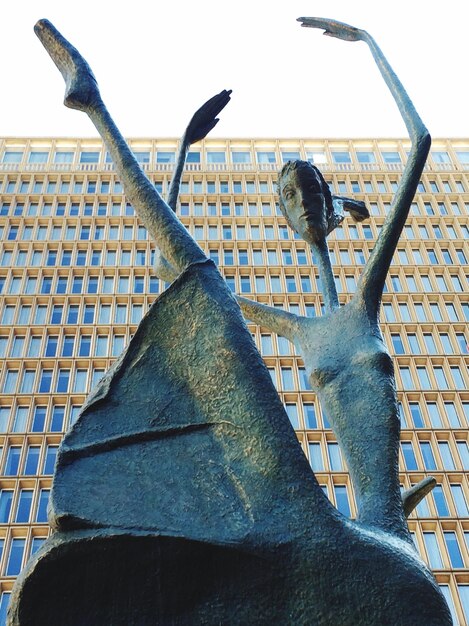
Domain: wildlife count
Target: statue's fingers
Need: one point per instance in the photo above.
(218, 103)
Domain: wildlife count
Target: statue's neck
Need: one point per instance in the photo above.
(321, 253)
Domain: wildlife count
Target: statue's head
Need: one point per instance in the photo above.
(308, 205)
(306, 200)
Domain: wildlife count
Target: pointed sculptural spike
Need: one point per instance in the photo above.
(413, 496)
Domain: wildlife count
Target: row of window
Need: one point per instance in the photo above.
(237, 156)
(23, 418)
(92, 283)
(216, 231)
(236, 185)
(72, 314)
(29, 505)
(63, 380)
(67, 257)
(415, 412)
(434, 455)
(439, 283)
(428, 255)
(232, 255)
(29, 459)
(432, 376)
(17, 552)
(431, 413)
(447, 343)
(411, 377)
(24, 314)
(409, 311)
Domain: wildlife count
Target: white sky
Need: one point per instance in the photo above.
(158, 60)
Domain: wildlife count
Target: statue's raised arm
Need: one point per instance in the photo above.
(202, 122)
(371, 283)
(82, 93)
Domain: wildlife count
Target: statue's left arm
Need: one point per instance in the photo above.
(82, 93)
(371, 283)
(202, 122)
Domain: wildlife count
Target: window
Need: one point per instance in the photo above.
(463, 156)
(81, 379)
(266, 157)
(310, 415)
(12, 156)
(432, 549)
(4, 418)
(397, 343)
(287, 379)
(57, 420)
(335, 457)
(440, 377)
(452, 546)
(315, 456)
(120, 314)
(292, 412)
(28, 381)
(6, 498)
(290, 155)
(216, 157)
(391, 157)
(427, 454)
(193, 157)
(89, 157)
(246, 284)
(404, 312)
(389, 312)
(15, 557)
(12, 462)
(240, 157)
(41, 514)
(85, 345)
(23, 509)
(459, 498)
(366, 156)
(291, 284)
(49, 461)
(342, 500)
(165, 156)
(316, 156)
(340, 156)
(436, 313)
(446, 456)
(416, 414)
(463, 453)
(440, 501)
(34, 346)
(61, 156)
(409, 456)
(88, 314)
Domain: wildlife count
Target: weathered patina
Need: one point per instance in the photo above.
(181, 495)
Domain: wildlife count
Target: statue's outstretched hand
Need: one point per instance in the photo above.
(205, 118)
(332, 28)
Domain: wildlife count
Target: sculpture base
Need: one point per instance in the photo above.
(90, 579)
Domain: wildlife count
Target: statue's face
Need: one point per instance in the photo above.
(304, 204)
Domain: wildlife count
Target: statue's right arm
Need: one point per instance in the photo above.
(82, 93)
(276, 320)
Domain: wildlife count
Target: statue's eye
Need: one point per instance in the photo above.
(289, 194)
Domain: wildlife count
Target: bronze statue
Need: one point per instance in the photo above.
(181, 495)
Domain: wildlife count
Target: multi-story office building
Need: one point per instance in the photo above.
(76, 278)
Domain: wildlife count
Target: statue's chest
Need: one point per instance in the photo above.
(340, 347)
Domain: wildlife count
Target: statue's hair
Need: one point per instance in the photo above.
(307, 168)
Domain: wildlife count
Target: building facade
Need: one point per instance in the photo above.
(76, 278)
